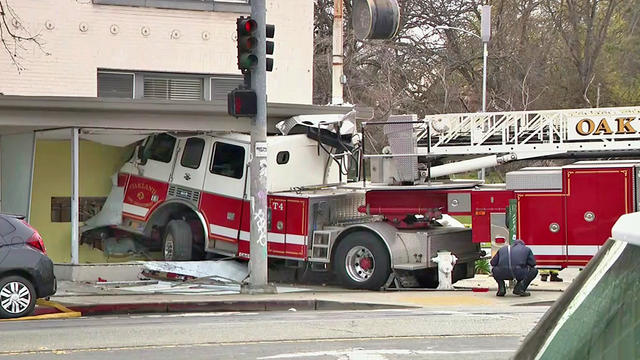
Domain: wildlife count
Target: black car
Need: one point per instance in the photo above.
(26, 272)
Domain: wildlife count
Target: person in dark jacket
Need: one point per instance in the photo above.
(514, 262)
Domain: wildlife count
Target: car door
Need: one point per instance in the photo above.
(190, 167)
(225, 187)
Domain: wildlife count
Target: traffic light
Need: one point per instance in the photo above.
(242, 103)
(271, 32)
(247, 43)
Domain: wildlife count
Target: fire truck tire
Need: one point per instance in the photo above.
(178, 241)
(362, 261)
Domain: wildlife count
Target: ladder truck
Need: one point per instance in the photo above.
(187, 196)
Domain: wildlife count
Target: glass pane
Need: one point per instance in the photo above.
(162, 148)
(228, 160)
(114, 85)
(5, 227)
(192, 153)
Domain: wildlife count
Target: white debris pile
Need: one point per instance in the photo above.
(223, 271)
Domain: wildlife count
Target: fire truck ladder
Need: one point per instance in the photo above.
(533, 133)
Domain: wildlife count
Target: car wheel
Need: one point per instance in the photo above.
(17, 297)
(178, 241)
(362, 261)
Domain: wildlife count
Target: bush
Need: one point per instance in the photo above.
(482, 266)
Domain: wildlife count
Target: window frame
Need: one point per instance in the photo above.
(213, 159)
(198, 5)
(116, 72)
(175, 140)
(139, 76)
(184, 151)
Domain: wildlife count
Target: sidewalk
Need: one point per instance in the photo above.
(101, 299)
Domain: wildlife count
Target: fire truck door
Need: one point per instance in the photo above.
(224, 190)
(190, 166)
(595, 200)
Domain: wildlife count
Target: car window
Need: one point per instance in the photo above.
(5, 227)
(192, 154)
(228, 160)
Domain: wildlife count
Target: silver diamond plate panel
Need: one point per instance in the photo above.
(535, 179)
(402, 140)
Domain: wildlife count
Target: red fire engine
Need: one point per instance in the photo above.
(189, 195)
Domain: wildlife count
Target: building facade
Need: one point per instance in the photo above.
(173, 49)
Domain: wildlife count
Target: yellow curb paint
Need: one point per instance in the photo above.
(65, 313)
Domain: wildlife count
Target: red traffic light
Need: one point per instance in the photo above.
(246, 26)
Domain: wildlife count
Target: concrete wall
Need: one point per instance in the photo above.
(52, 177)
(82, 37)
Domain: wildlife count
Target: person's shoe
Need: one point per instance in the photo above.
(502, 289)
(521, 293)
(554, 277)
(544, 277)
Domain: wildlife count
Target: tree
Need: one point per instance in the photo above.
(543, 54)
(14, 36)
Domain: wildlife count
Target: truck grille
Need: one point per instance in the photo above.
(184, 193)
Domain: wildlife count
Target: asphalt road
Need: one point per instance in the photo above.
(353, 335)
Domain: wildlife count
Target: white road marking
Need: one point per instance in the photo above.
(358, 354)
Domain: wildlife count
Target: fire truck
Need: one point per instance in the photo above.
(189, 195)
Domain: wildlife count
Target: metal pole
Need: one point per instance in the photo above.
(485, 53)
(338, 54)
(258, 167)
(74, 196)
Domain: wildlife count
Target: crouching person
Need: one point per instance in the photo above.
(511, 262)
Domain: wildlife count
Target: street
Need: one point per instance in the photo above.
(376, 334)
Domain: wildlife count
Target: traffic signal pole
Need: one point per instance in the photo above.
(259, 215)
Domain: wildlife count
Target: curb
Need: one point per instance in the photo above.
(219, 306)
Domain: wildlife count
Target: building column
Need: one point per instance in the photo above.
(75, 241)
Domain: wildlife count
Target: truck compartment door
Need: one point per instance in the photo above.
(541, 226)
(596, 198)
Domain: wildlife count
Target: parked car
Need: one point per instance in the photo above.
(26, 272)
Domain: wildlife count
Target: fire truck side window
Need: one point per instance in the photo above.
(160, 148)
(192, 153)
(228, 160)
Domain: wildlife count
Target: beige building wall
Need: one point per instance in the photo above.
(82, 37)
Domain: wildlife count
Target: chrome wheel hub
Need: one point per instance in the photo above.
(360, 263)
(168, 248)
(15, 297)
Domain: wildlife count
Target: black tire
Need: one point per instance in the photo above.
(371, 277)
(26, 297)
(177, 244)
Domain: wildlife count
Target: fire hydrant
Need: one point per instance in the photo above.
(446, 261)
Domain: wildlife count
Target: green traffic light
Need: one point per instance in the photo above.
(247, 61)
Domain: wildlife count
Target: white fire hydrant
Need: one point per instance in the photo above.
(445, 260)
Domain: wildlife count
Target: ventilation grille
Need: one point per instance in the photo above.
(184, 193)
(221, 87)
(173, 88)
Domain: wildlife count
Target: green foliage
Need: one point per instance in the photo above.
(482, 266)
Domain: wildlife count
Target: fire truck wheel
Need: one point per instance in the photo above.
(362, 261)
(178, 243)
